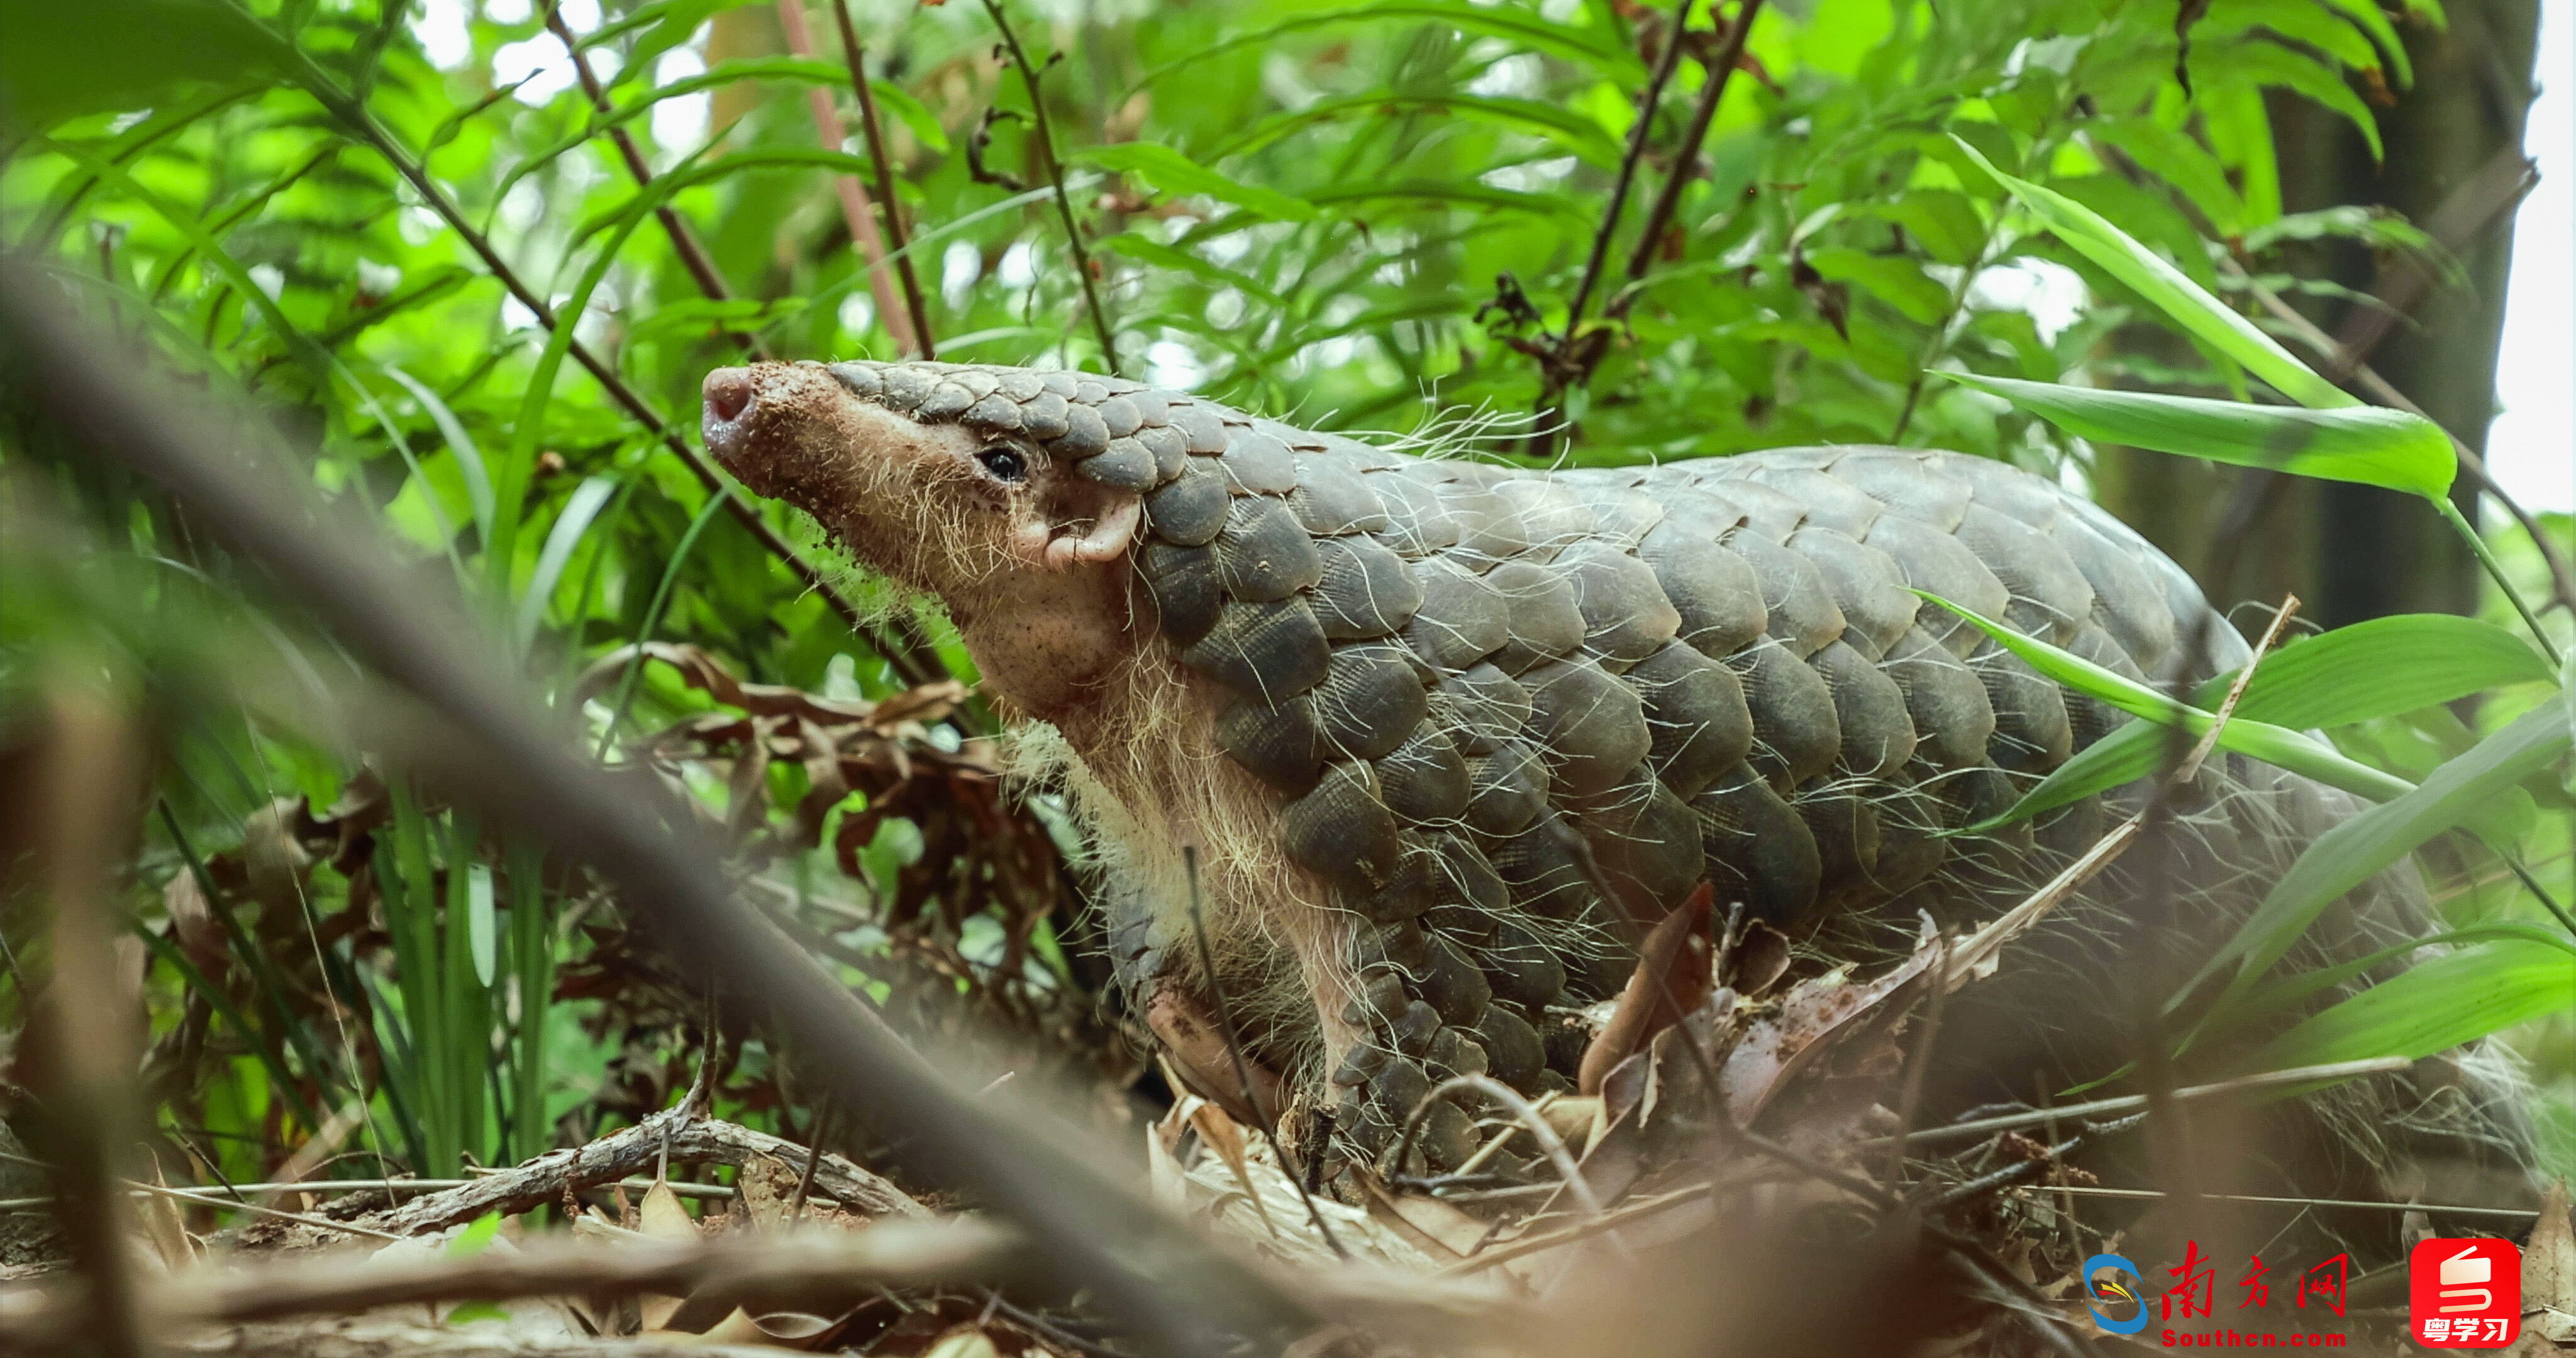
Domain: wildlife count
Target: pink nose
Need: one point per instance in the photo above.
(728, 393)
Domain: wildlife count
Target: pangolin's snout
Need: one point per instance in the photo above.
(730, 398)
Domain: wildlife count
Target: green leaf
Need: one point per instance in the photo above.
(2164, 286)
(798, 70)
(580, 508)
(2434, 1006)
(2374, 22)
(2178, 160)
(2379, 668)
(1894, 279)
(2367, 445)
(2290, 992)
(1172, 172)
(1583, 46)
(2259, 740)
(1149, 251)
(66, 60)
(469, 457)
(912, 113)
(2269, 64)
(679, 22)
(2356, 850)
(1572, 130)
(477, 1236)
(1469, 194)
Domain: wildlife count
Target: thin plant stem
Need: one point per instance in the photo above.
(1044, 131)
(1712, 92)
(855, 208)
(887, 200)
(1556, 357)
(684, 243)
(911, 657)
(653, 619)
(2495, 571)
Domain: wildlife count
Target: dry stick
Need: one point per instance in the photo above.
(684, 242)
(1909, 1096)
(910, 656)
(1088, 1230)
(1549, 1144)
(1055, 178)
(2445, 1209)
(231, 1203)
(328, 1187)
(1712, 92)
(888, 201)
(87, 768)
(2011, 1174)
(887, 1255)
(854, 196)
(814, 1137)
(2562, 577)
(2130, 1103)
(1242, 1068)
(1551, 368)
(1606, 1221)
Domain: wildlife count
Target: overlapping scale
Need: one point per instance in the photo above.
(1486, 696)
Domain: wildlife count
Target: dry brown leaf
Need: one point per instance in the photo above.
(766, 1186)
(779, 1329)
(164, 1227)
(663, 1217)
(2548, 1281)
(1445, 1228)
(1814, 1018)
(1224, 1135)
(1672, 978)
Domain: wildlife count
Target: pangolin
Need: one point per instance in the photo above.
(1446, 733)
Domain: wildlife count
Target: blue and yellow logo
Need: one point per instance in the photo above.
(2114, 1294)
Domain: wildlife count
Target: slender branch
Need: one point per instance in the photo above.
(1557, 362)
(1712, 92)
(1044, 131)
(855, 208)
(1647, 102)
(684, 242)
(888, 201)
(910, 655)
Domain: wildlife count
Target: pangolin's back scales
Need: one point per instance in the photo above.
(1464, 680)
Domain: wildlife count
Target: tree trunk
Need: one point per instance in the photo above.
(2353, 552)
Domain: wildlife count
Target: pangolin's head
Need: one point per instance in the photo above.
(950, 478)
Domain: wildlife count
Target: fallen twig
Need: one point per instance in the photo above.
(2296, 1075)
(818, 1263)
(633, 1150)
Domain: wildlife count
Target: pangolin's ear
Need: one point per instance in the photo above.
(1101, 532)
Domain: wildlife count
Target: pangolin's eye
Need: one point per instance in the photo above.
(1004, 464)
